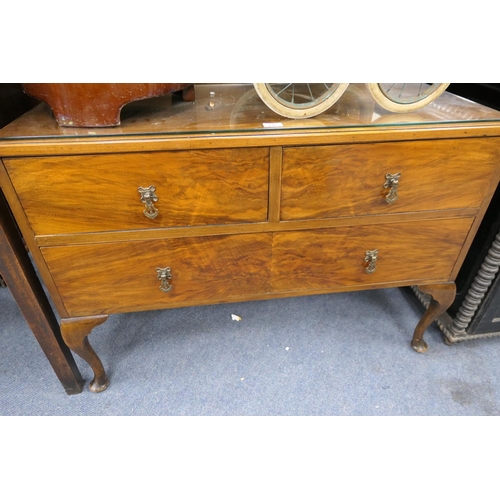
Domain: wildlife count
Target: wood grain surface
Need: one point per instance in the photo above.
(348, 180)
(110, 278)
(122, 276)
(247, 212)
(95, 104)
(68, 194)
(324, 258)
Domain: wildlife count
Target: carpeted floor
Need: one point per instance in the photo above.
(342, 354)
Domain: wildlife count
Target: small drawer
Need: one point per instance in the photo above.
(127, 276)
(383, 178)
(78, 194)
(367, 255)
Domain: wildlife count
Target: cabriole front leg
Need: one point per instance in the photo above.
(443, 296)
(74, 332)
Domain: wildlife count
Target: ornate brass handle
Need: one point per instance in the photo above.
(148, 197)
(371, 257)
(392, 183)
(164, 276)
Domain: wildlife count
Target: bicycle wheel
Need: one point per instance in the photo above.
(405, 97)
(300, 100)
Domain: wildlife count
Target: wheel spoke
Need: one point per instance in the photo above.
(405, 97)
(310, 93)
(406, 93)
(283, 89)
(300, 100)
(303, 95)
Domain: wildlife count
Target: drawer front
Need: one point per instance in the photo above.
(120, 277)
(350, 180)
(69, 194)
(328, 258)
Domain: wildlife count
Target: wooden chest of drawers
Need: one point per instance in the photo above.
(199, 207)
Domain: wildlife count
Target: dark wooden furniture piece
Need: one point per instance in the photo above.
(19, 273)
(475, 312)
(13, 103)
(99, 104)
(23, 283)
(224, 201)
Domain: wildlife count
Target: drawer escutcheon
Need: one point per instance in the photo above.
(148, 197)
(164, 276)
(392, 183)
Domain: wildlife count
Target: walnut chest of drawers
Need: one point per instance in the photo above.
(186, 204)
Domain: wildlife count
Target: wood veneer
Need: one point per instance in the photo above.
(193, 188)
(435, 175)
(249, 213)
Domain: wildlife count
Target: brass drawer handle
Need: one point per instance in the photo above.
(371, 257)
(148, 197)
(164, 276)
(392, 183)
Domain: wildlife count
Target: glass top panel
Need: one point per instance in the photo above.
(233, 108)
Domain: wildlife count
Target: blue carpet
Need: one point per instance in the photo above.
(342, 354)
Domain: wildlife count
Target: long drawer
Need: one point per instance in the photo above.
(128, 276)
(383, 178)
(70, 194)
